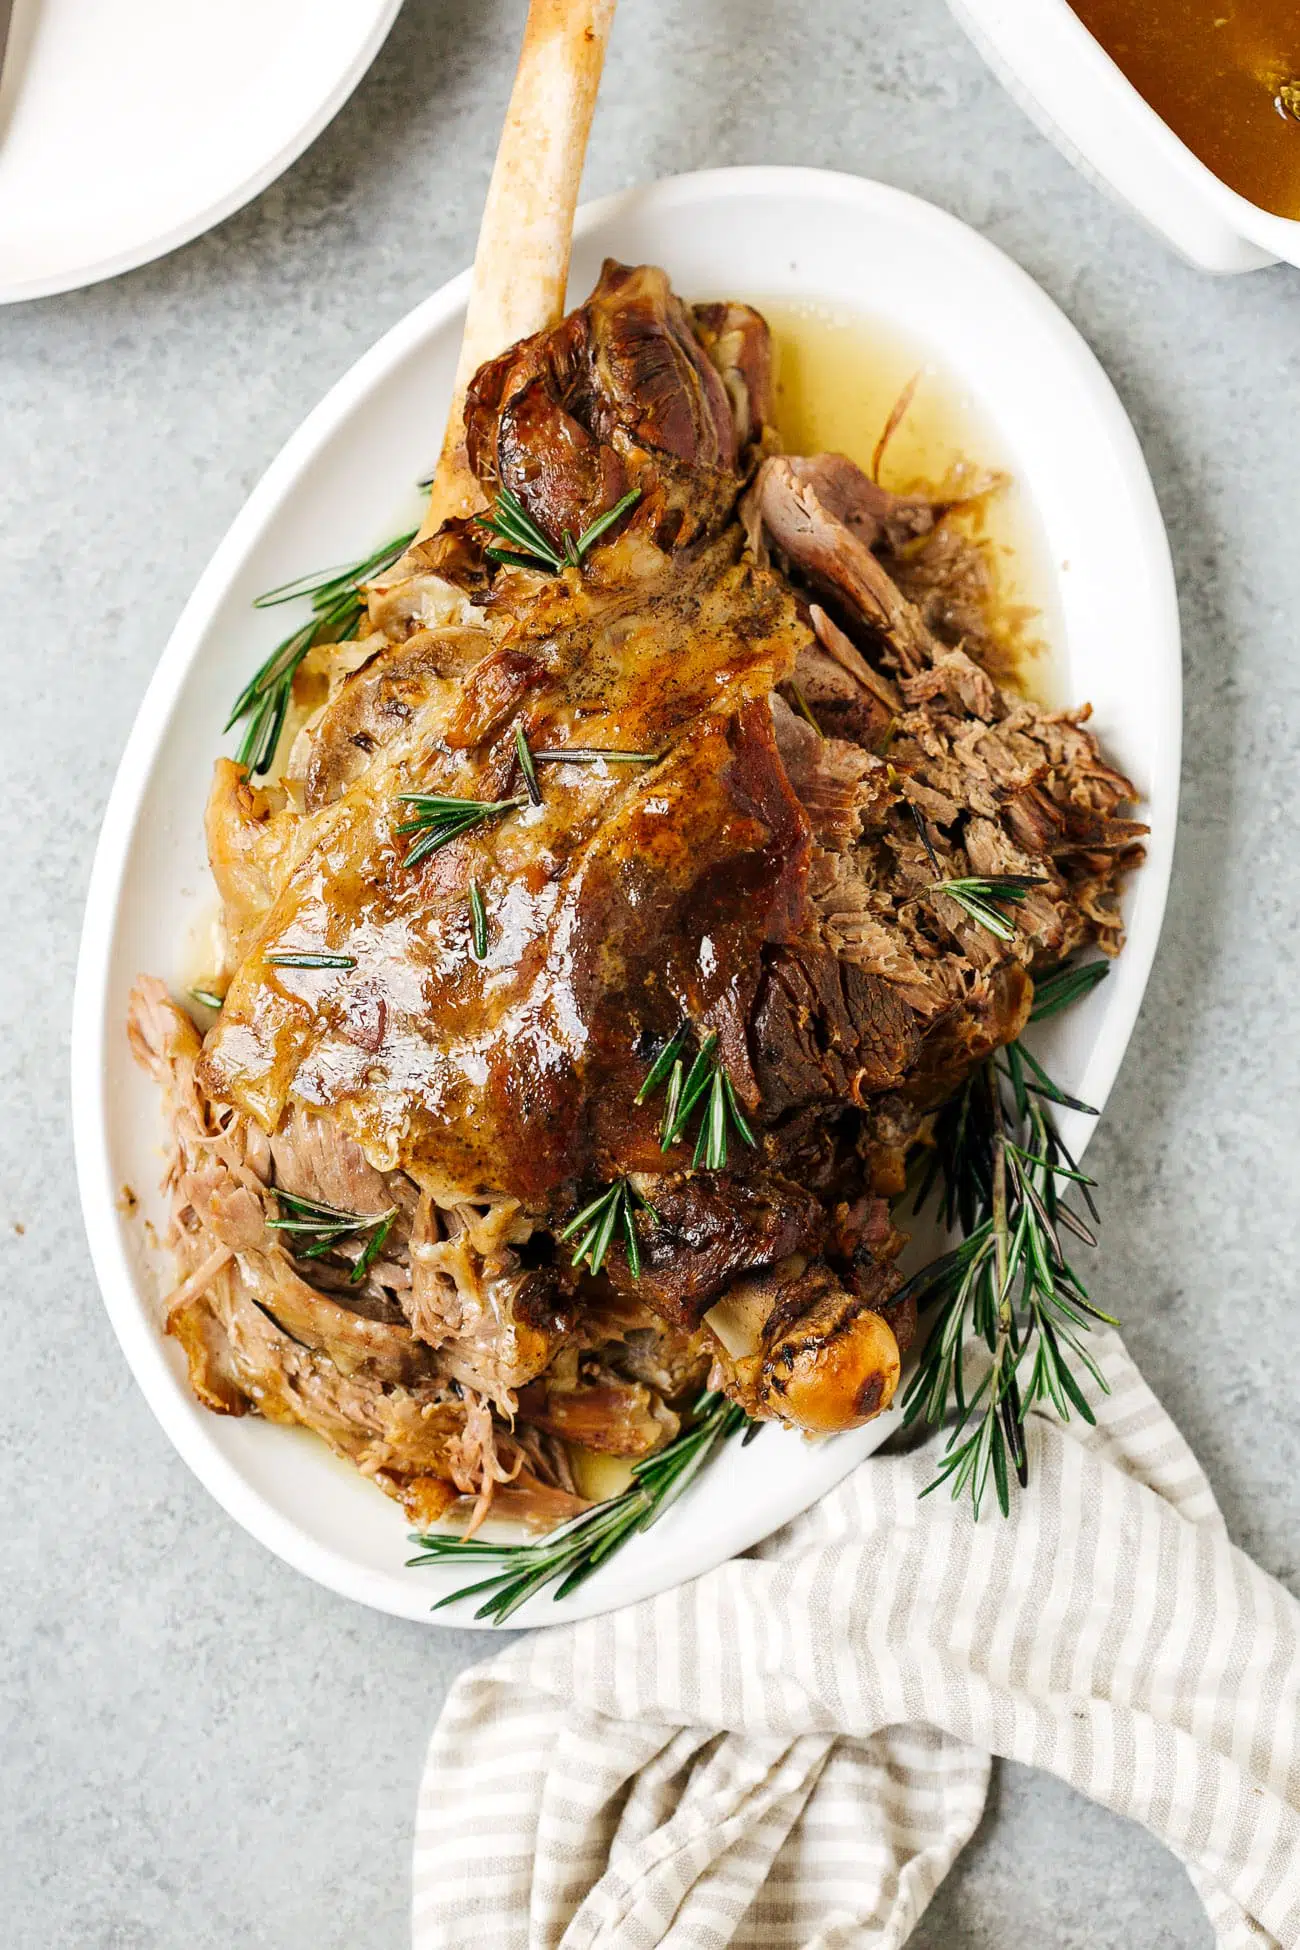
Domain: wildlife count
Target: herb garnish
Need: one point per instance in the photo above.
(706, 1080)
(983, 896)
(310, 960)
(336, 606)
(319, 1228)
(527, 547)
(593, 754)
(1064, 986)
(1003, 1173)
(440, 819)
(527, 767)
(614, 1210)
(208, 997)
(478, 922)
(569, 1555)
(663, 1063)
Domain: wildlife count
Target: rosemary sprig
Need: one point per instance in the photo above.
(706, 1082)
(1064, 986)
(317, 1229)
(478, 922)
(984, 896)
(527, 767)
(311, 960)
(1003, 1173)
(613, 1211)
(602, 524)
(663, 1063)
(440, 819)
(594, 755)
(208, 997)
(528, 547)
(336, 606)
(569, 1555)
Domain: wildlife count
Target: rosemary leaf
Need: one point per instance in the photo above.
(982, 898)
(631, 1244)
(373, 1248)
(527, 767)
(315, 1229)
(697, 1082)
(439, 819)
(663, 1063)
(671, 1103)
(706, 1083)
(612, 1211)
(528, 547)
(478, 922)
(325, 586)
(335, 596)
(1057, 991)
(310, 960)
(1046, 1088)
(604, 522)
(922, 826)
(594, 755)
(737, 1115)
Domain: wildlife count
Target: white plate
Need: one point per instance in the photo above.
(337, 487)
(129, 126)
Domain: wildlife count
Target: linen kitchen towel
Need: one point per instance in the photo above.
(791, 1750)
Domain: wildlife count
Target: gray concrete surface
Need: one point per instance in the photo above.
(198, 1749)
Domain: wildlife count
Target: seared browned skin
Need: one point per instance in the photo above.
(622, 394)
(770, 881)
(632, 896)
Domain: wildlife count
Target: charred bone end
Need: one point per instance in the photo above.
(793, 1346)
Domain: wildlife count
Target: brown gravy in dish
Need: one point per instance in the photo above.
(1224, 75)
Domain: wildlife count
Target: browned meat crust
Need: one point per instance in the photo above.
(824, 1031)
(771, 880)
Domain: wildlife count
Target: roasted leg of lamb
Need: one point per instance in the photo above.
(533, 954)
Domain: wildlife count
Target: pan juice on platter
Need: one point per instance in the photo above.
(839, 375)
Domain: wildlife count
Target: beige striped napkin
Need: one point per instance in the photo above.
(791, 1750)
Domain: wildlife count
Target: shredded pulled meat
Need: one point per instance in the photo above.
(805, 666)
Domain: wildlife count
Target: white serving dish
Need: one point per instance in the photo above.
(1068, 85)
(338, 486)
(127, 127)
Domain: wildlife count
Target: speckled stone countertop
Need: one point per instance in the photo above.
(198, 1748)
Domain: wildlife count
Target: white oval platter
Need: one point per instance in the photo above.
(341, 485)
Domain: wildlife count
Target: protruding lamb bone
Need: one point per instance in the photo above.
(521, 265)
(794, 1346)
